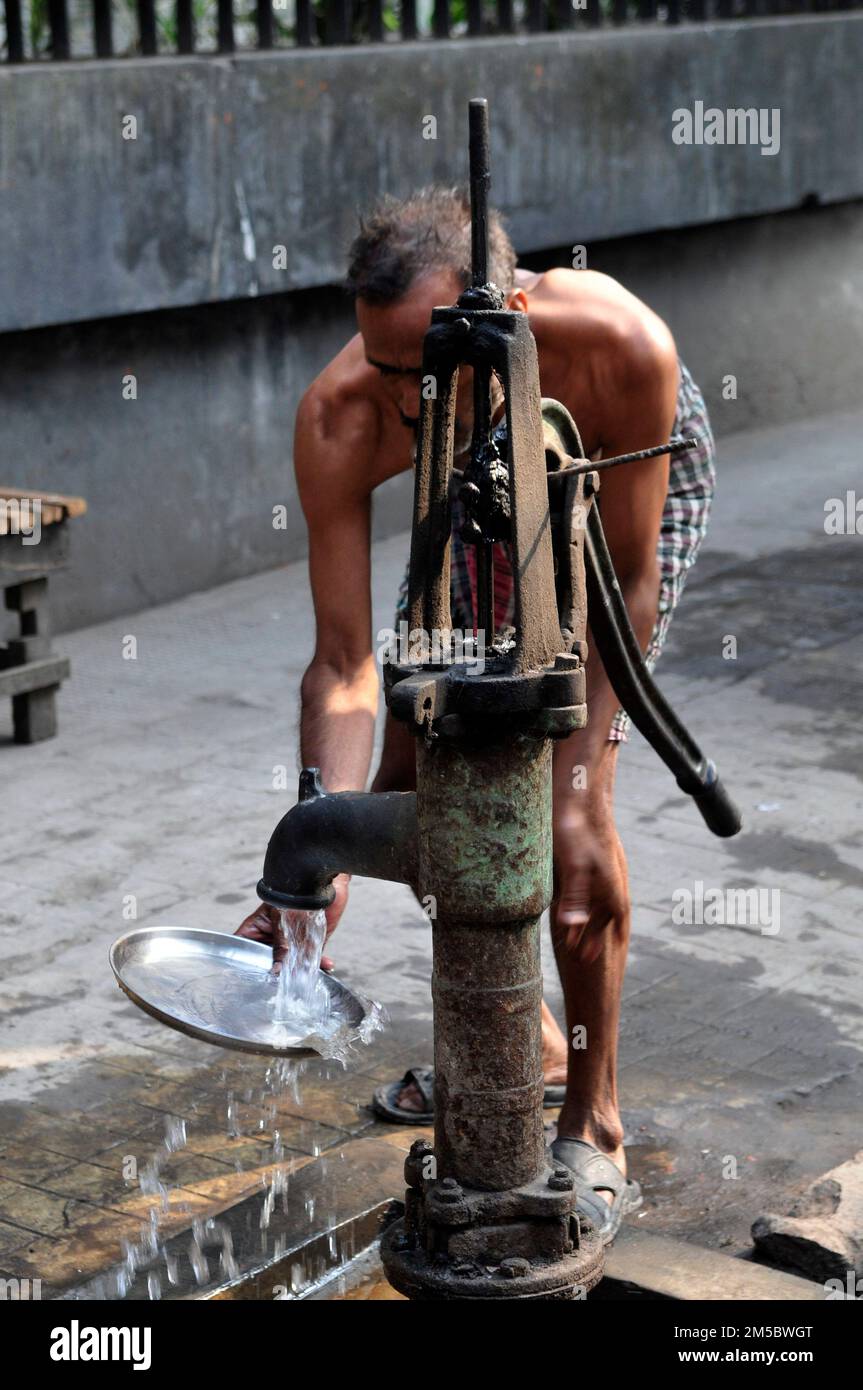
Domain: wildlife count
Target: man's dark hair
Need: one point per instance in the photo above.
(400, 240)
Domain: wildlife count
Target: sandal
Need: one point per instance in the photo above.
(595, 1173)
(385, 1098)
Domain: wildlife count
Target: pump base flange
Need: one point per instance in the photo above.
(424, 1278)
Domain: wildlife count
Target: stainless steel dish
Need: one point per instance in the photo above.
(219, 988)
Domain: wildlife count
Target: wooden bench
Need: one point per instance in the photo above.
(34, 544)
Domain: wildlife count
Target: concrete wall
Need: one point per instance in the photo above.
(234, 156)
(182, 481)
(776, 302)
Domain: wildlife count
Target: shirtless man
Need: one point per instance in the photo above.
(614, 365)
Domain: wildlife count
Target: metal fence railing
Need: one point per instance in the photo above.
(37, 30)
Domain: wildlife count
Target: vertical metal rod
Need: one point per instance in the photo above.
(102, 40)
(339, 20)
(14, 32)
(264, 20)
(185, 27)
(505, 17)
(147, 28)
(409, 19)
(485, 624)
(58, 19)
(305, 23)
(376, 21)
(440, 19)
(225, 26)
(480, 179)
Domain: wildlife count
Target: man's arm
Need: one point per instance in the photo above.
(631, 503)
(590, 889)
(340, 689)
(333, 446)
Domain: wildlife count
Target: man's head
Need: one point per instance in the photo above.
(407, 258)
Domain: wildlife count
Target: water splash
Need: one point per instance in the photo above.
(293, 1006)
(292, 997)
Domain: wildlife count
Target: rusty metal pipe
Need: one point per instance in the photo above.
(484, 823)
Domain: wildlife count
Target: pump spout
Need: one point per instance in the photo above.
(369, 833)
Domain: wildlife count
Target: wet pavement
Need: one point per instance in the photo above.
(741, 1046)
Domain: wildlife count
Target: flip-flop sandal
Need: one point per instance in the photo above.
(385, 1098)
(594, 1172)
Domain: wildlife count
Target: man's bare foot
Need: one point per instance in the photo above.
(409, 1098)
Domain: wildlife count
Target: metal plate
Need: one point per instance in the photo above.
(217, 987)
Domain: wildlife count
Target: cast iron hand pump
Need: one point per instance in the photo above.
(487, 1215)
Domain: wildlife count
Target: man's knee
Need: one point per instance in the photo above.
(397, 771)
(395, 777)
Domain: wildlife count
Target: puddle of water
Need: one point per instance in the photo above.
(361, 1278)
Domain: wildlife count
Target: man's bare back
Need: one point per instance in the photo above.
(593, 338)
(602, 352)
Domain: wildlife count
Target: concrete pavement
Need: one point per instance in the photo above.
(741, 1047)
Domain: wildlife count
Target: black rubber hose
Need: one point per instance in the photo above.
(633, 685)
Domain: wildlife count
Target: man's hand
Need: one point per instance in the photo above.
(264, 924)
(590, 884)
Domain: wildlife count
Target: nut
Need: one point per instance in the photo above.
(561, 1180)
(448, 1191)
(514, 1267)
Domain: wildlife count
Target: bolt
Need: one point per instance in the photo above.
(419, 1151)
(448, 1191)
(514, 1268)
(561, 1180)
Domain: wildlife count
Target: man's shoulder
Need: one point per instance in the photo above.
(597, 312)
(341, 401)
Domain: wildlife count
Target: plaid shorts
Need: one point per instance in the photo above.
(691, 483)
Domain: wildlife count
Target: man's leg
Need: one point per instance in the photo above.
(397, 771)
(590, 933)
